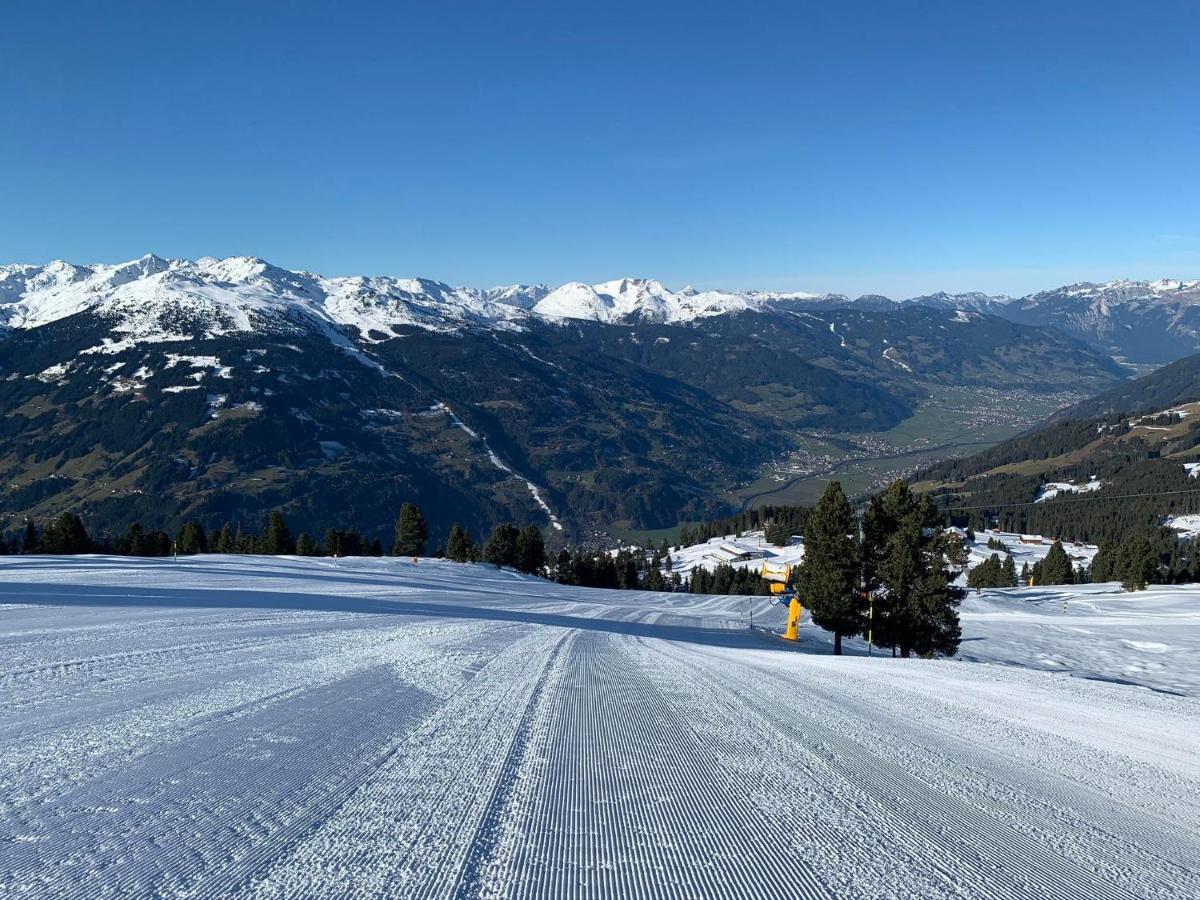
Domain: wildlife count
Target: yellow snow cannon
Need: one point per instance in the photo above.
(779, 575)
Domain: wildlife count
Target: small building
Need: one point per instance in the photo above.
(731, 553)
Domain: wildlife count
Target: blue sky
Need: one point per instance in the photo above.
(863, 147)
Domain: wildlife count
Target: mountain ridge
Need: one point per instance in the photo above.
(244, 288)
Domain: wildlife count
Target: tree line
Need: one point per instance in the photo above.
(1135, 562)
(779, 523)
(66, 534)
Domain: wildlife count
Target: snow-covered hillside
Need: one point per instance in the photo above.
(1053, 489)
(1148, 638)
(649, 300)
(275, 727)
(748, 550)
(1103, 297)
(147, 296)
(1023, 548)
(239, 293)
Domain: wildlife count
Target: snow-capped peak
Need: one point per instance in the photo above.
(148, 298)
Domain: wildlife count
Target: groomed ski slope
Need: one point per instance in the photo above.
(258, 727)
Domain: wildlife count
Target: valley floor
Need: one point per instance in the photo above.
(262, 727)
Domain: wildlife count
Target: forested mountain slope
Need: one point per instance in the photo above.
(162, 390)
(1074, 476)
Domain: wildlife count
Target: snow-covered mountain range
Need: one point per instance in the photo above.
(154, 299)
(234, 294)
(155, 390)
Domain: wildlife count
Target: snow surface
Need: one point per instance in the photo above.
(154, 300)
(1024, 549)
(262, 727)
(1148, 638)
(1052, 489)
(715, 552)
(1186, 525)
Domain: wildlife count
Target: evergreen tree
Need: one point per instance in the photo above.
(226, 542)
(1138, 565)
(377, 547)
(156, 543)
(627, 573)
(412, 532)
(564, 571)
(133, 542)
(1009, 571)
(333, 543)
(192, 539)
(306, 546)
(277, 538)
(249, 543)
(29, 541)
(909, 561)
(1056, 568)
(501, 549)
(778, 533)
(827, 580)
(1104, 563)
(988, 574)
(459, 546)
(531, 550)
(65, 535)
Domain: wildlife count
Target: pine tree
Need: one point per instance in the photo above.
(627, 573)
(412, 532)
(459, 546)
(277, 538)
(654, 581)
(1009, 571)
(65, 536)
(306, 546)
(531, 550)
(226, 543)
(192, 539)
(564, 570)
(1104, 563)
(1138, 565)
(157, 543)
(778, 533)
(377, 547)
(249, 543)
(333, 543)
(1056, 568)
(133, 542)
(501, 549)
(909, 561)
(988, 574)
(827, 581)
(29, 541)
